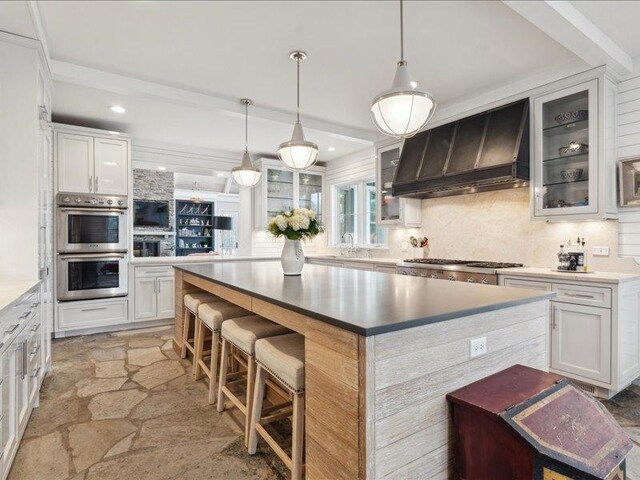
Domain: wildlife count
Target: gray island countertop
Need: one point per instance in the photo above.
(367, 303)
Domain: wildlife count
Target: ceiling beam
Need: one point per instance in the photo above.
(564, 23)
(98, 79)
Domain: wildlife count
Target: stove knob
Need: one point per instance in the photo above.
(415, 274)
(109, 202)
(485, 281)
(434, 275)
(452, 278)
(93, 201)
(424, 274)
(78, 200)
(403, 272)
(471, 280)
(120, 202)
(66, 200)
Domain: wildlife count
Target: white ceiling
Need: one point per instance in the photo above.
(203, 183)
(618, 19)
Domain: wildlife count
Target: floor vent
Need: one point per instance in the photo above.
(586, 387)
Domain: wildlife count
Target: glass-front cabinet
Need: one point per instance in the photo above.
(573, 171)
(282, 189)
(392, 210)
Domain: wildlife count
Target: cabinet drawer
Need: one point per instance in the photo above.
(583, 295)
(161, 271)
(358, 265)
(92, 314)
(528, 284)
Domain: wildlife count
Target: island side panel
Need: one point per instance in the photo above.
(333, 424)
(409, 373)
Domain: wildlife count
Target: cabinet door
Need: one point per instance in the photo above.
(75, 163)
(111, 166)
(310, 192)
(581, 341)
(145, 299)
(388, 205)
(565, 163)
(279, 191)
(166, 297)
(22, 382)
(7, 415)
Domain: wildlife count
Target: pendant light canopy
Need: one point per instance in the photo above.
(246, 175)
(404, 109)
(298, 153)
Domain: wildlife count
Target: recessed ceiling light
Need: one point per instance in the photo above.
(221, 174)
(162, 169)
(117, 109)
(332, 149)
(113, 132)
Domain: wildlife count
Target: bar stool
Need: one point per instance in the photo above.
(282, 358)
(191, 303)
(241, 334)
(210, 317)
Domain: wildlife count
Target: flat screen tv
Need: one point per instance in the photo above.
(148, 213)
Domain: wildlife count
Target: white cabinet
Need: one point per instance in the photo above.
(581, 341)
(154, 295)
(88, 314)
(75, 163)
(573, 168)
(87, 163)
(111, 166)
(594, 330)
(7, 415)
(283, 189)
(390, 210)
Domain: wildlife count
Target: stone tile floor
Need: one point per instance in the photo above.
(123, 405)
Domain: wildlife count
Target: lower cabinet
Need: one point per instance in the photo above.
(154, 295)
(357, 265)
(79, 315)
(581, 341)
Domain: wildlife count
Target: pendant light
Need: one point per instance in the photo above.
(404, 109)
(298, 153)
(246, 175)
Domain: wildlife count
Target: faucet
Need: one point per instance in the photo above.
(352, 249)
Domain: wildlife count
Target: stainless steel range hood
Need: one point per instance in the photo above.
(488, 151)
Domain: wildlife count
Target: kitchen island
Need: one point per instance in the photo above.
(381, 352)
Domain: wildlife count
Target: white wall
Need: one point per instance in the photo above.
(19, 180)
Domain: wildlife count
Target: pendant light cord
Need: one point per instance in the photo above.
(298, 94)
(401, 33)
(246, 126)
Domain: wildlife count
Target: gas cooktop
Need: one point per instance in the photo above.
(468, 263)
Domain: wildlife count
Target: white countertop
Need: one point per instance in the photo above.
(12, 290)
(194, 259)
(548, 273)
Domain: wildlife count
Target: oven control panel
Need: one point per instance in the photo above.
(91, 201)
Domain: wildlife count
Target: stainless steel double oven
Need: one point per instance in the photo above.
(91, 241)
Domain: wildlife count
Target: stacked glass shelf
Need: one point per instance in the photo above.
(194, 231)
(279, 191)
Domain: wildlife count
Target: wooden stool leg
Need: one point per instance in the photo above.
(258, 396)
(215, 346)
(297, 444)
(199, 344)
(251, 373)
(185, 333)
(222, 378)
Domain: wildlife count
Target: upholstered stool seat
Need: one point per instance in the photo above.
(211, 317)
(242, 334)
(191, 303)
(282, 358)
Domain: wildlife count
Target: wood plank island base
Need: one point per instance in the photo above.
(381, 353)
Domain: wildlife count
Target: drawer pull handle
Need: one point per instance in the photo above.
(93, 309)
(35, 350)
(12, 328)
(35, 374)
(25, 315)
(36, 328)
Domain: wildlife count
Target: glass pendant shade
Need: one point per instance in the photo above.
(404, 109)
(246, 175)
(298, 153)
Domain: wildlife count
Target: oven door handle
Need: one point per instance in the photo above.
(95, 211)
(83, 256)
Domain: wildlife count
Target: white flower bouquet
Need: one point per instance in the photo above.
(297, 224)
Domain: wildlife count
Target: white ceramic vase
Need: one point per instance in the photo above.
(292, 258)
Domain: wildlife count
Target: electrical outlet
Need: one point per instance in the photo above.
(600, 251)
(478, 347)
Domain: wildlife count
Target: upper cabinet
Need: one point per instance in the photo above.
(92, 164)
(283, 189)
(396, 211)
(573, 150)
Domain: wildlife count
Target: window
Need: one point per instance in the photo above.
(347, 212)
(355, 207)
